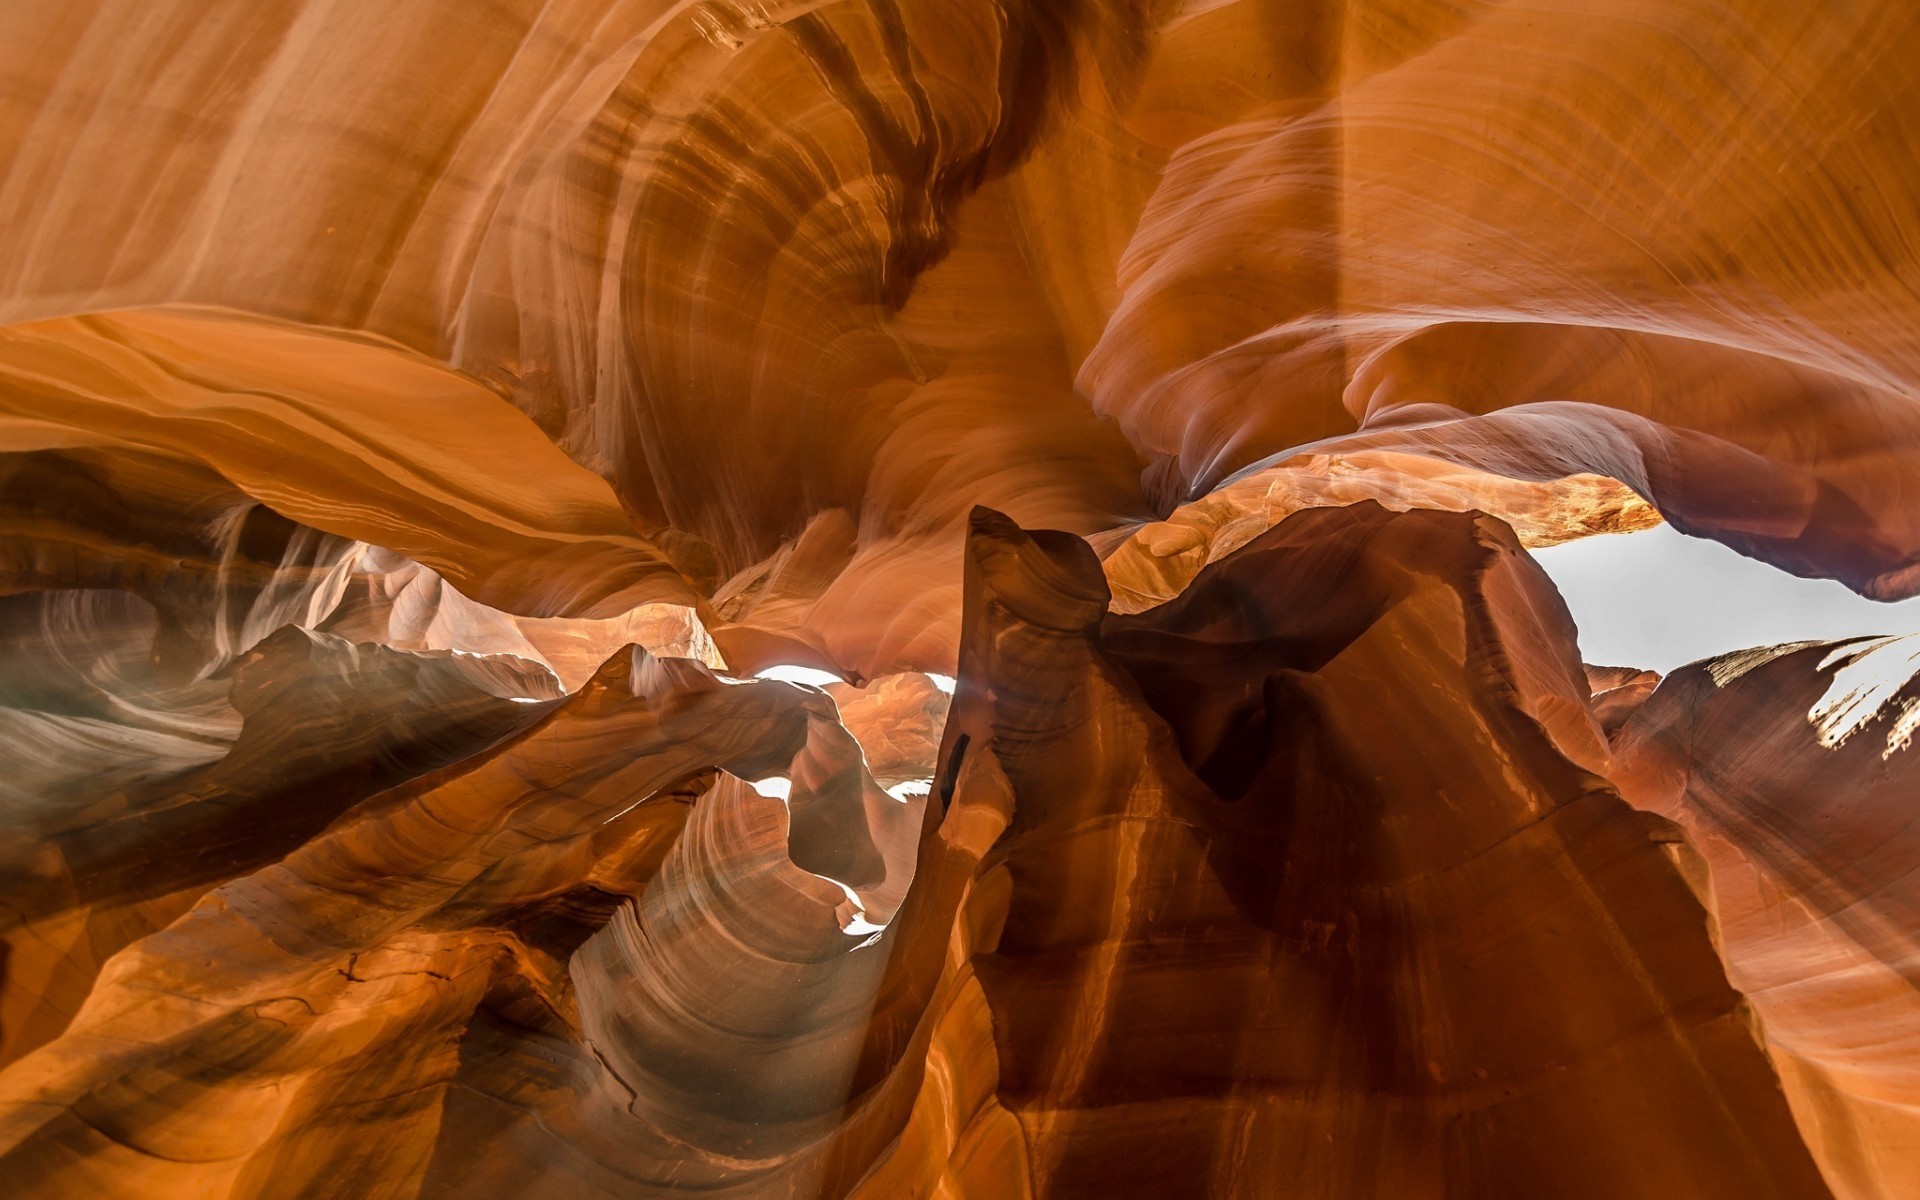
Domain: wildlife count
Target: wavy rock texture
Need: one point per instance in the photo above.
(1236, 932)
(419, 423)
(1789, 770)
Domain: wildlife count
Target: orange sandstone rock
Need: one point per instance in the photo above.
(420, 423)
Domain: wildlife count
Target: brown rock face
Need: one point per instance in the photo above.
(1239, 929)
(423, 426)
(1789, 771)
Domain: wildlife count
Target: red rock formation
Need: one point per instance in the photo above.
(1790, 772)
(419, 423)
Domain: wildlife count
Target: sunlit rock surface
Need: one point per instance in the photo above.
(421, 423)
(1790, 772)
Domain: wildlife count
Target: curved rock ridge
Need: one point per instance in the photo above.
(423, 428)
(344, 434)
(108, 858)
(392, 600)
(765, 266)
(337, 979)
(216, 571)
(1154, 562)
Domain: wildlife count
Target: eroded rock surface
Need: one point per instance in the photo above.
(422, 424)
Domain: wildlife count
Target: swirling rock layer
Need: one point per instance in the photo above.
(419, 425)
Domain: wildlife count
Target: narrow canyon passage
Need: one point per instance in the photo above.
(959, 599)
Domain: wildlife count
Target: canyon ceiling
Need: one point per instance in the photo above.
(425, 423)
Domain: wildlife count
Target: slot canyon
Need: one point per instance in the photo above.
(944, 599)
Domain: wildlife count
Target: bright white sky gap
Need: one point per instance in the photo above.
(811, 676)
(1660, 599)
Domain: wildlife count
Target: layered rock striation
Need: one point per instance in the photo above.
(423, 426)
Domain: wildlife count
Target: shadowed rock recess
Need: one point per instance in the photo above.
(425, 424)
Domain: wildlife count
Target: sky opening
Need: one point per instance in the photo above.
(1659, 599)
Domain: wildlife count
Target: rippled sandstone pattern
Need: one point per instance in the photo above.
(420, 422)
